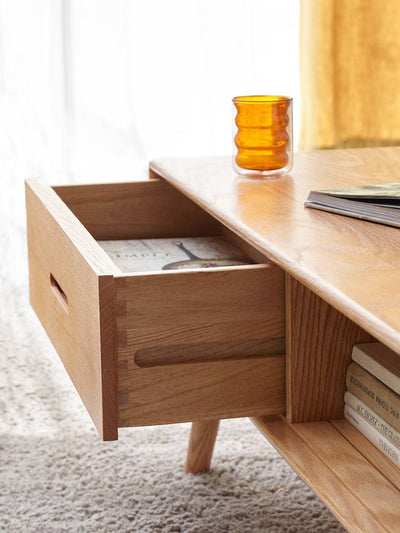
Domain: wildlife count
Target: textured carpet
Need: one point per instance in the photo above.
(56, 474)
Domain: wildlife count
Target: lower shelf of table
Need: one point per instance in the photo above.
(359, 485)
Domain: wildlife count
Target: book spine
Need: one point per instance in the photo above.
(373, 419)
(375, 368)
(374, 394)
(372, 435)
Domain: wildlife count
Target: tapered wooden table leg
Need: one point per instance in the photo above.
(201, 446)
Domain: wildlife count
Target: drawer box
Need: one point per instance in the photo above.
(152, 347)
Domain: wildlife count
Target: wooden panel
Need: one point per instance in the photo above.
(222, 313)
(72, 292)
(338, 475)
(351, 264)
(253, 292)
(319, 342)
(355, 472)
(369, 451)
(137, 210)
(170, 354)
(182, 393)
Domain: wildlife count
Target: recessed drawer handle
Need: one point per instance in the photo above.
(207, 352)
(60, 294)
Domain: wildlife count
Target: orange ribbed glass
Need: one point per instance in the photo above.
(263, 139)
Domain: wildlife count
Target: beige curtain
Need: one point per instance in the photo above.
(350, 73)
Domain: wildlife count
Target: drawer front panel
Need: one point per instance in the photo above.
(73, 302)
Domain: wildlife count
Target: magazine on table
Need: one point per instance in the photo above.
(374, 203)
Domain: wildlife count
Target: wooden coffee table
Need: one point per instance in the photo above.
(270, 339)
(342, 281)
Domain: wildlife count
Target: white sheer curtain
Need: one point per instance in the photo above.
(91, 90)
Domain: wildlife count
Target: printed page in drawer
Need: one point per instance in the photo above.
(174, 254)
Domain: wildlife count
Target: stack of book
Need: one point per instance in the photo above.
(372, 399)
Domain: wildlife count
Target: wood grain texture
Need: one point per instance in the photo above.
(136, 210)
(199, 350)
(200, 315)
(82, 330)
(337, 473)
(216, 390)
(249, 250)
(369, 451)
(319, 343)
(356, 473)
(201, 446)
(215, 321)
(351, 264)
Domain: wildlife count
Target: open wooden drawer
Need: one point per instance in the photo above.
(154, 347)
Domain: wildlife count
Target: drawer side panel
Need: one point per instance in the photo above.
(182, 393)
(200, 344)
(196, 316)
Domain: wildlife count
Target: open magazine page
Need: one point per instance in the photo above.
(383, 191)
(174, 253)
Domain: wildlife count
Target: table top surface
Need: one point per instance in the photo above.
(354, 265)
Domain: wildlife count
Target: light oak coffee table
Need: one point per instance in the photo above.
(342, 279)
(270, 340)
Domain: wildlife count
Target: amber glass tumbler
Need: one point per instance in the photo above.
(263, 135)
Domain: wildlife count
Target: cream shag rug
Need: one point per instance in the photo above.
(57, 475)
